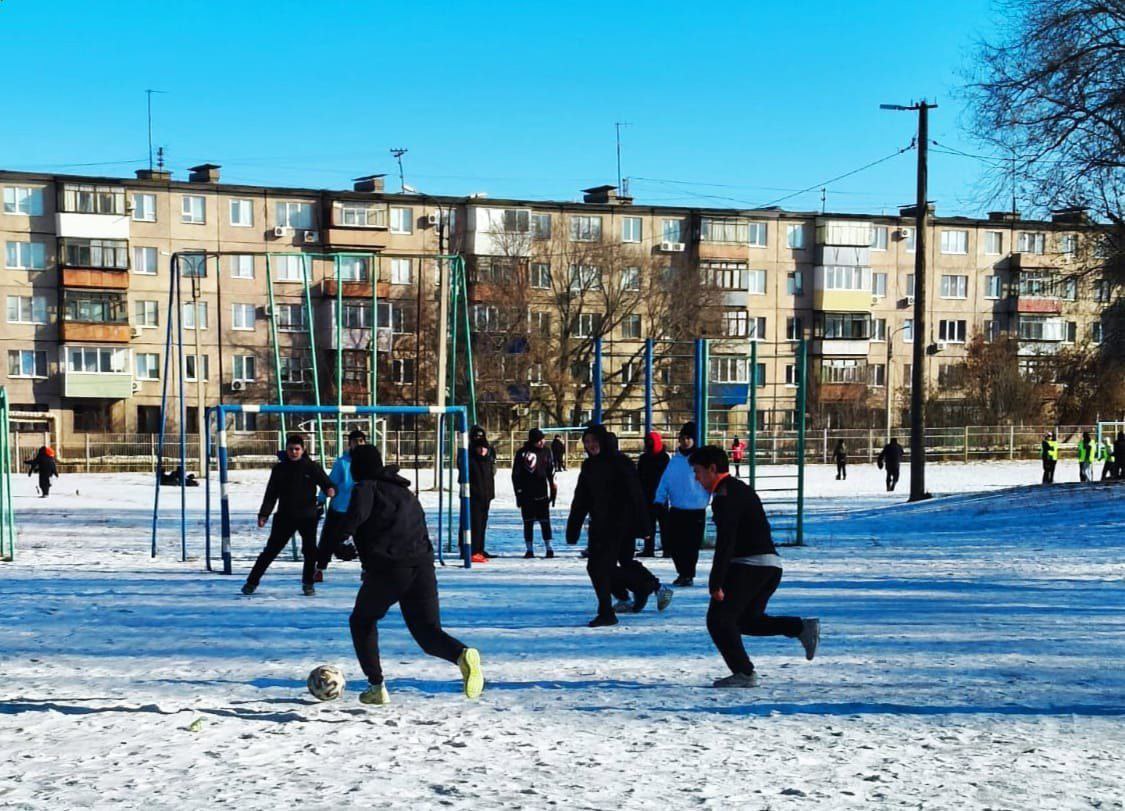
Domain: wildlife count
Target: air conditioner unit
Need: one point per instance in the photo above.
(672, 247)
(279, 231)
(136, 332)
(237, 385)
(902, 233)
(267, 312)
(312, 236)
(909, 301)
(136, 386)
(433, 219)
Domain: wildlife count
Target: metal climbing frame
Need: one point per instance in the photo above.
(7, 515)
(459, 415)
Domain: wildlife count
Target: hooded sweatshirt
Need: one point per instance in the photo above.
(652, 464)
(678, 488)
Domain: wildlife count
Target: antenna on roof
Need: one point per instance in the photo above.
(398, 152)
(149, 93)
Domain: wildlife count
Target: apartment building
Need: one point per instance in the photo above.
(88, 266)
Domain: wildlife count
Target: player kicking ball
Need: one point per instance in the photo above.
(745, 572)
(389, 527)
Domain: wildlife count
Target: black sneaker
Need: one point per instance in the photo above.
(603, 620)
(308, 589)
(640, 600)
(248, 588)
(550, 553)
(683, 582)
(528, 555)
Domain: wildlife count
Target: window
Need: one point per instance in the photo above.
(631, 421)
(631, 280)
(793, 329)
(1071, 332)
(27, 309)
(844, 326)
(910, 284)
(144, 260)
(992, 286)
(672, 230)
(954, 241)
(486, 318)
(951, 375)
(244, 421)
(757, 282)
(908, 330)
(95, 307)
(194, 209)
(732, 369)
(954, 286)
(393, 317)
(242, 317)
(994, 243)
(88, 199)
(585, 229)
(245, 368)
(757, 234)
(843, 370)
(582, 371)
(402, 271)
(25, 256)
(631, 326)
(877, 374)
(291, 369)
(792, 377)
(357, 315)
(585, 277)
(193, 265)
(795, 283)
(630, 229)
(1070, 289)
(991, 330)
(879, 329)
(144, 207)
(713, 229)
(27, 363)
(191, 364)
(190, 313)
(1103, 289)
(540, 226)
(844, 277)
(628, 372)
(97, 360)
(290, 317)
(908, 376)
(1037, 283)
(908, 239)
(726, 275)
(535, 374)
(879, 238)
(294, 215)
(736, 323)
(1032, 242)
(242, 266)
(795, 236)
(147, 366)
(146, 313)
(242, 213)
(287, 268)
(540, 276)
(402, 371)
(879, 284)
(952, 332)
(402, 220)
(353, 268)
(1096, 332)
(1068, 245)
(588, 325)
(23, 200)
(539, 323)
(360, 216)
(517, 221)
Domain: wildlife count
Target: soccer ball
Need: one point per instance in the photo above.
(326, 683)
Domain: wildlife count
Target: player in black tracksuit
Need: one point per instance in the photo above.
(533, 480)
(43, 463)
(482, 490)
(891, 459)
(745, 572)
(389, 527)
(292, 487)
(609, 492)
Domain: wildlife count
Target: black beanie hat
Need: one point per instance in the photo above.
(534, 435)
(688, 430)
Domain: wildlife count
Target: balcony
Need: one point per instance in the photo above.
(841, 392)
(100, 372)
(92, 226)
(840, 347)
(1043, 305)
(97, 278)
(735, 298)
(354, 289)
(94, 332)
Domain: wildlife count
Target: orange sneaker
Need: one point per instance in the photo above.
(479, 558)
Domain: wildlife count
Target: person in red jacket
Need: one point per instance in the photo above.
(650, 467)
(737, 449)
(745, 573)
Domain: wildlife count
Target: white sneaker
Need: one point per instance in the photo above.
(737, 680)
(810, 637)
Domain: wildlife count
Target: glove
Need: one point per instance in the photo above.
(346, 551)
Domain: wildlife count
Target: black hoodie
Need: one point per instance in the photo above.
(609, 491)
(384, 517)
(292, 487)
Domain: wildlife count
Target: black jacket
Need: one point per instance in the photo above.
(292, 487)
(482, 472)
(1119, 452)
(388, 523)
(558, 453)
(533, 474)
(43, 464)
(891, 455)
(609, 491)
(742, 528)
(840, 455)
(650, 467)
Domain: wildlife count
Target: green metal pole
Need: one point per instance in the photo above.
(312, 350)
(753, 426)
(276, 352)
(451, 338)
(339, 357)
(470, 375)
(802, 367)
(373, 395)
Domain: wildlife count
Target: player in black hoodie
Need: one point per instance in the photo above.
(389, 527)
(533, 480)
(482, 490)
(292, 487)
(745, 572)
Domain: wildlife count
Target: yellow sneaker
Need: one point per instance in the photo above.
(469, 662)
(375, 694)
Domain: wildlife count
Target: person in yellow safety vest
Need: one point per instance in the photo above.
(1087, 448)
(1050, 456)
(1105, 453)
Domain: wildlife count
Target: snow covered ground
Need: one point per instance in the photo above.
(973, 655)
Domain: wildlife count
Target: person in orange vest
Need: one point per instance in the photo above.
(737, 449)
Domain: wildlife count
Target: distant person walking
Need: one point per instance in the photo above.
(737, 450)
(841, 457)
(1087, 449)
(1107, 454)
(686, 501)
(482, 490)
(890, 459)
(1119, 455)
(43, 463)
(533, 480)
(1049, 453)
(650, 467)
(558, 452)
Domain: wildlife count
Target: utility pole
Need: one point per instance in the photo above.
(398, 152)
(917, 372)
(148, 94)
(823, 199)
(618, 125)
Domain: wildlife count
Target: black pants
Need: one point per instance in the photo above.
(329, 538)
(1049, 470)
(742, 612)
(536, 511)
(281, 530)
(841, 470)
(415, 590)
(685, 537)
(737, 469)
(630, 575)
(44, 483)
(656, 517)
(478, 522)
(892, 477)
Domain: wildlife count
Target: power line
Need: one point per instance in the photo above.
(817, 186)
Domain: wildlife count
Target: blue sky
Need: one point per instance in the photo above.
(740, 103)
